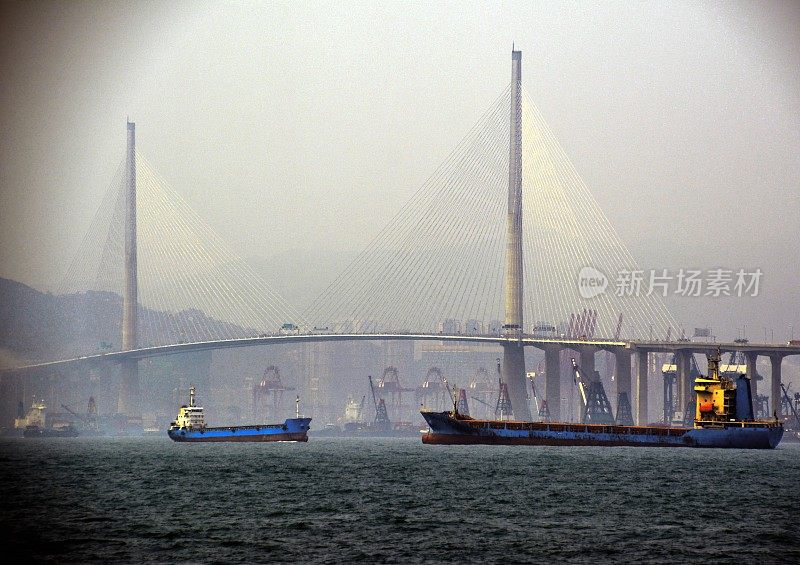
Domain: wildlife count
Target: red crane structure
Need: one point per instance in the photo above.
(389, 387)
(434, 388)
(268, 394)
(483, 389)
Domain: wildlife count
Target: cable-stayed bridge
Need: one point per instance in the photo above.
(488, 250)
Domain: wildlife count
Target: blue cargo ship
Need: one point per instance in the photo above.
(190, 426)
(723, 418)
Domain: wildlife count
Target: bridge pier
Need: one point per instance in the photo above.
(775, 384)
(751, 358)
(514, 377)
(129, 394)
(587, 361)
(622, 373)
(552, 370)
(683, 381)
(641, 387)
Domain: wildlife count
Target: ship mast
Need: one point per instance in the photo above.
(713, 365)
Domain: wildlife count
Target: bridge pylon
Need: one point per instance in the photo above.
(129, 396)
(514, 353)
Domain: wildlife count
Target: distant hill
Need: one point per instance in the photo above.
(31, 322)
(39, 326)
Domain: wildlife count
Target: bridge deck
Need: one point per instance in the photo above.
(525, 340)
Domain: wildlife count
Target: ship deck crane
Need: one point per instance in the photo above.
(489, 406)
(80, 417)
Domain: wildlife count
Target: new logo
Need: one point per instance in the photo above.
(591, 282)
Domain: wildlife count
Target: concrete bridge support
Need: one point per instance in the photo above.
(641, 387)
(514, 377)
(622, 372)
(514, 353)
(552, 369)
(129, 399)
(129, 393)
(751, 358)
(683, 380)
(775, 384)
(587, 361)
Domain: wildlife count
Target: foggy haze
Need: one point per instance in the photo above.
(297, 131)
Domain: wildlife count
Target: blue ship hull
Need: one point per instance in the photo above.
(293, 429)
(447, 429)
(767, 436)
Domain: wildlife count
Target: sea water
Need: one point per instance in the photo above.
(338, 500)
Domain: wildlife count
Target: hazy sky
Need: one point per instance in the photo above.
(299, 129)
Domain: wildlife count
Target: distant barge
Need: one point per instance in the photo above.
(724, 418)
(190, 426)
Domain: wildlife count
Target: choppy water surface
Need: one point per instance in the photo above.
(344, 500)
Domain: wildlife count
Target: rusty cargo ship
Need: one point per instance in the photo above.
(723, 419)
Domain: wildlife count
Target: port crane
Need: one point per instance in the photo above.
(533, 391)
(434, 387)
(382, 422)
(482, 385)
(361, 408)
(462, 406)
(389, 387)
(791, 406)
(541, 409)
(597, 408)
(89, 420)
(503, 409)
(270, 386)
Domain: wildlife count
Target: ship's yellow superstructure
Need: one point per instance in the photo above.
(190, 417)
(716, 395)
(34, 417)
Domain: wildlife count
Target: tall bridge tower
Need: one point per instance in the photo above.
(514, 353)
(129, 400)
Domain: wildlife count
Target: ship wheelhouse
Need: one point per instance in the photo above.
(190, 417)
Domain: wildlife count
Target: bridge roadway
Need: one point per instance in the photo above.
(623, 350)
(543, 343)
(284, 339)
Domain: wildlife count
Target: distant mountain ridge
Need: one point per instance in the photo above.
(39, 326)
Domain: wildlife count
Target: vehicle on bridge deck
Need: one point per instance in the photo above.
(723, 418)
(190, 426)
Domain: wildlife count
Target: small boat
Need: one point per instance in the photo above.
(723, 418)
(190, 426)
